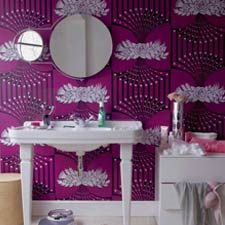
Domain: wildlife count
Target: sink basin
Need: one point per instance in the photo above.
(91, 126)
(79, 148)
(66, 137)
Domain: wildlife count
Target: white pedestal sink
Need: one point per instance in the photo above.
(80, 140)
(78, 132)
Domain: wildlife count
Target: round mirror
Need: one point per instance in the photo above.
(29, 45)
(80, 45)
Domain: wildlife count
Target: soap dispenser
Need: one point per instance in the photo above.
(101, 115)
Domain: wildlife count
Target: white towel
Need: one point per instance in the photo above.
(191, 197)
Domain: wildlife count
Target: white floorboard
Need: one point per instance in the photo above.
(108, 221)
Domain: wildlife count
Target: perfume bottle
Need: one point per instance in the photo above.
(101, 115)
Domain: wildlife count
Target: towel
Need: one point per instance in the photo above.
(191, 196)
(211, 146)
(213, 200)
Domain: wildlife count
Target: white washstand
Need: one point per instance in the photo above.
(79, 140)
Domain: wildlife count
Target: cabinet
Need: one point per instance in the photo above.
(173, 169)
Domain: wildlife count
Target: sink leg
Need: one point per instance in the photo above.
(126, 152)
(26, 167)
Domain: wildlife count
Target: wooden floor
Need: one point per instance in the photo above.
(108, 221)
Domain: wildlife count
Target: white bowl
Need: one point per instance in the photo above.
(206, 135)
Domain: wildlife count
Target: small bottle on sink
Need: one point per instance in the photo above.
(101, 115)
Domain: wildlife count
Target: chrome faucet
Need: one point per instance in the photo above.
(81, 122)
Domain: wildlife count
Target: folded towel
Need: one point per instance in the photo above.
(213, 201)
(211, 146)
(192, 197)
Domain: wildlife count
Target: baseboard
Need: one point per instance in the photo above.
(97, 208)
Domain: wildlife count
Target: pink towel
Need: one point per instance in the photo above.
(211, 146)
(212, 200)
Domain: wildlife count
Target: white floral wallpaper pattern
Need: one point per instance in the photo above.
(91, 7)
(208, 94)
(92, 94)
(151, 136)
(91, 178)
(8, 52)
(204, 7)
(152, 50)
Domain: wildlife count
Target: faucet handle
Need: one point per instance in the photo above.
(91, 117)
(77, 120)
(72, 117)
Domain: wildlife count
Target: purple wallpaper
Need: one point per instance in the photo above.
(159, 46)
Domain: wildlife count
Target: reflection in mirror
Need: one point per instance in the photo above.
(81, 45)
(29, 45)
